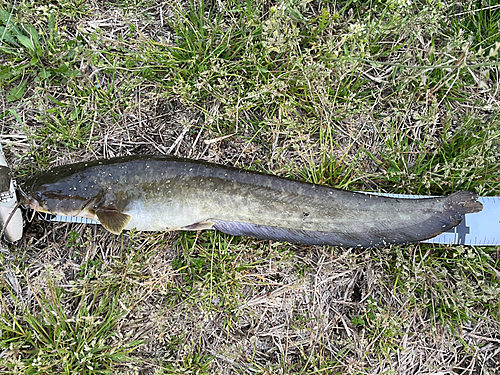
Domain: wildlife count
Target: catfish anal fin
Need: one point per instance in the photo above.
(112, 219)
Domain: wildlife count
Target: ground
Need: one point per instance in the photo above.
(396, 96)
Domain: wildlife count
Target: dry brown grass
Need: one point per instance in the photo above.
(209, 303)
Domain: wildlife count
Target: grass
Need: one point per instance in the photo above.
(397, 96)
(60, 338)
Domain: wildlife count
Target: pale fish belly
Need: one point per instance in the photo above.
(156, 216)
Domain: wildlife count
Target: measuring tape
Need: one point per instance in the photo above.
(477, 229)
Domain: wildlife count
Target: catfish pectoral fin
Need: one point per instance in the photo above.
(112, 219)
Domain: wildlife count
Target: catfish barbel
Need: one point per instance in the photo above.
(162, 193)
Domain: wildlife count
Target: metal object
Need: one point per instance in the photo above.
(8, 202)
(5, 178)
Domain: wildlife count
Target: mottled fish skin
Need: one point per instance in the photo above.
(157, 193)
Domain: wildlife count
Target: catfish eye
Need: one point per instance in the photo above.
(38, 195)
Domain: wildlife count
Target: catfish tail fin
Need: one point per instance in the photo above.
(464, 202)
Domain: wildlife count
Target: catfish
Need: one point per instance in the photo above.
(166, 193)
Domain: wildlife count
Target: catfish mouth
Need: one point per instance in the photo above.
(29, 202)
(34, 205)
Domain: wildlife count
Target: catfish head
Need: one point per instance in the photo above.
(74, 191)
(58, 194)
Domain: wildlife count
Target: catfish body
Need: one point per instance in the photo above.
(158, 193)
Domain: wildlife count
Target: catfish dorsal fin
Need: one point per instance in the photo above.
(112, 219)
